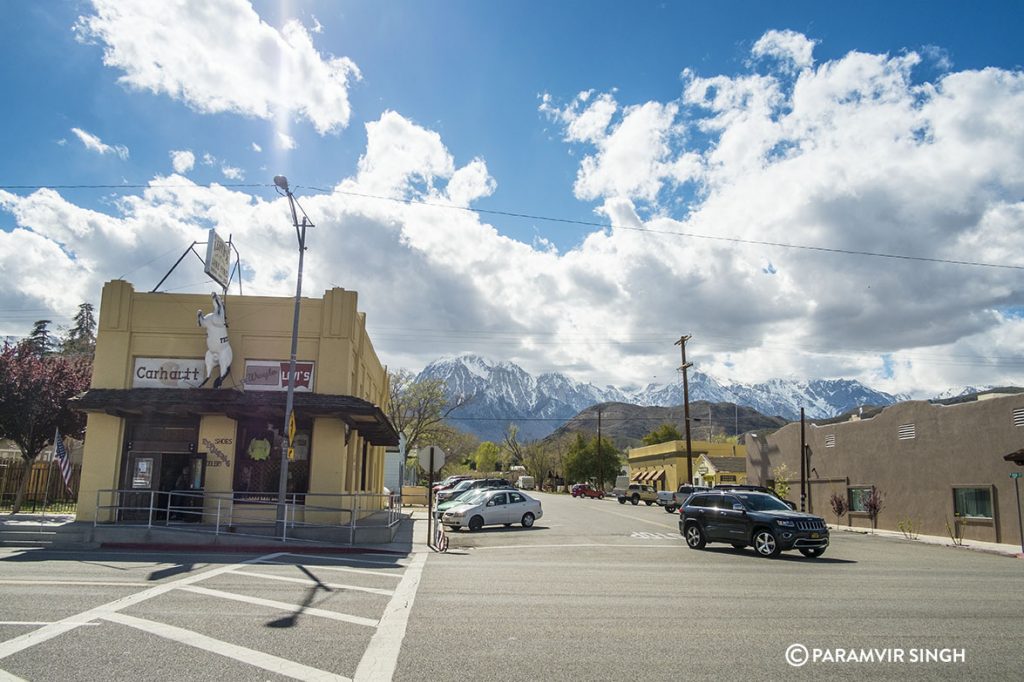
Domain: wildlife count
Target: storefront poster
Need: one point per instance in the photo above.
(272, 375)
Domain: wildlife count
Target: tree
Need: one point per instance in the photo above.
(418, 408)
(81, 339)
(40, 341)
(873, 504)
(539, 458)
(588, 459)
(839, 506)
(35, 391)
(487, 456)
(663, 434)
(512, 444)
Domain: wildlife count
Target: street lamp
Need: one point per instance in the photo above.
(281, 182)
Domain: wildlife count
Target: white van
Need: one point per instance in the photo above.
(525, 483)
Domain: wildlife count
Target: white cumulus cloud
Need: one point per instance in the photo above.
(94, 143)
(182, 161)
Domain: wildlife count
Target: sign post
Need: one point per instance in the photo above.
(430, 458)
(1016, 488)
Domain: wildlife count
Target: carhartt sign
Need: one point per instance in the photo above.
(168, 372)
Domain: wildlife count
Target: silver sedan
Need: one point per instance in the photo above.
(503, 507)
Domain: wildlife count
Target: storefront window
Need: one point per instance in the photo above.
(258, 462)
(973, 502)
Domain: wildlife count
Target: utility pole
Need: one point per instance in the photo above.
(686, 407)
(600, 471)
(300, 231)
(803, 463)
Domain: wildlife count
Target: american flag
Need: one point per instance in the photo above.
(60, 455)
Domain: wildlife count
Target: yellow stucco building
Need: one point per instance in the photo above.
(664, 465)
(154, 425)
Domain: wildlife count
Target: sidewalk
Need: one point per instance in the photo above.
(1011, 550)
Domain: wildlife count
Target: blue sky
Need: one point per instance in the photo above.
(479, 104)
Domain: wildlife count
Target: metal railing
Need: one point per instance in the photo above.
(251, 514)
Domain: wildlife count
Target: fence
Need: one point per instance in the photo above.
(307, 516)
(46, 490)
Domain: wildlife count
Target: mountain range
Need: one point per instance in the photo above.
(503, 392)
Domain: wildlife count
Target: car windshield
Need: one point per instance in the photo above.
(762, 502)
(470, 495)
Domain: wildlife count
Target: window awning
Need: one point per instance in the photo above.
(368, 420)
(636, 476)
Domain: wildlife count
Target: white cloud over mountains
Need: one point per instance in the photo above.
(221, 57)
(852, 154)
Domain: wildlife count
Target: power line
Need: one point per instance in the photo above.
(550, 219)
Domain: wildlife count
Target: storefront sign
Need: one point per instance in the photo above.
(218, 259)
(220, 458)
(272, 375)
(168, 372)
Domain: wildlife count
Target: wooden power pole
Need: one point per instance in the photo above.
(686, 407)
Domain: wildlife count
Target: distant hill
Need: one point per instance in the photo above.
(625, 425)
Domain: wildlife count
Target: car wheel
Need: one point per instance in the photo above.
(508, 525)
(527, 520)
(476, 523)
(635, 500)
(648, 503)
(765, 543)
(812, 552)
(695, 537)
(622, 500)
(738, 545)
(670, 509)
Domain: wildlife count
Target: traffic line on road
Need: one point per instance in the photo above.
(259, 659)
(48, 632)
(347, 558)
(362, 571)
(643, 535)
(284, 606)
(10, 677)
(74, 583)
(306, 581)
(39, 622)
(381, 655)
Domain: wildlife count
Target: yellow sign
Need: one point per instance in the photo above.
(291, 430)
(291, 454)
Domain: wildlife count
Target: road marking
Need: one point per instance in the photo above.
(306, 581)
(48, 632)
(76, 583)
(268, 662)
(40, 623)
(643, 535)
(393, 564)
(9, 677)
(381, 656)
(291, 608)
(640, 519)
(363, 571)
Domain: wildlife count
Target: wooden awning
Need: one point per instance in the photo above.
(368, 420)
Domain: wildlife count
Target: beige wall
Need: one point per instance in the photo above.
(332, 334)
(961, 444)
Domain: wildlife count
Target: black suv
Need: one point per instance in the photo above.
(742, 518)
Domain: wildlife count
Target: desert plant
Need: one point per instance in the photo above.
(956, 531)
(839, 506)
(873, 503)
(909, 528)
(781, 474)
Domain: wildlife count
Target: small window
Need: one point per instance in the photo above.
(858, 496)
(516, 497)
(728, 478)
(1018, 416)
(830, 440)
(906, 432)
(973, 503)
(500, 499)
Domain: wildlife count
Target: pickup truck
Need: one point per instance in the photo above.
(672, 501)
(635, 493)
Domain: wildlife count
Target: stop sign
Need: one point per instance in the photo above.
(424, 454)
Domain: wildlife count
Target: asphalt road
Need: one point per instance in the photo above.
(595, 590)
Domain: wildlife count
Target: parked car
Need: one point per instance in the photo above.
(743, 518)
(754, 488)
(672, 501)
(465, 498)
(449, 482)
(635, 492)
(587, 490)
(469, 484)
(494, 507)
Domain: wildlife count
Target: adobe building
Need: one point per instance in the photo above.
(156, 422)
(934, 464)
(664, 465)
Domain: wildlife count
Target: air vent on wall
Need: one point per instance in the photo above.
(1018, 416)
(906, 432)
(830, 440)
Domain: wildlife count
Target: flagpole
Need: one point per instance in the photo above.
(49, 468)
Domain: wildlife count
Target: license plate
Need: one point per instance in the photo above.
(814, 536)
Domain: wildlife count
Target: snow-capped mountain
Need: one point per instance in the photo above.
(503, 392)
